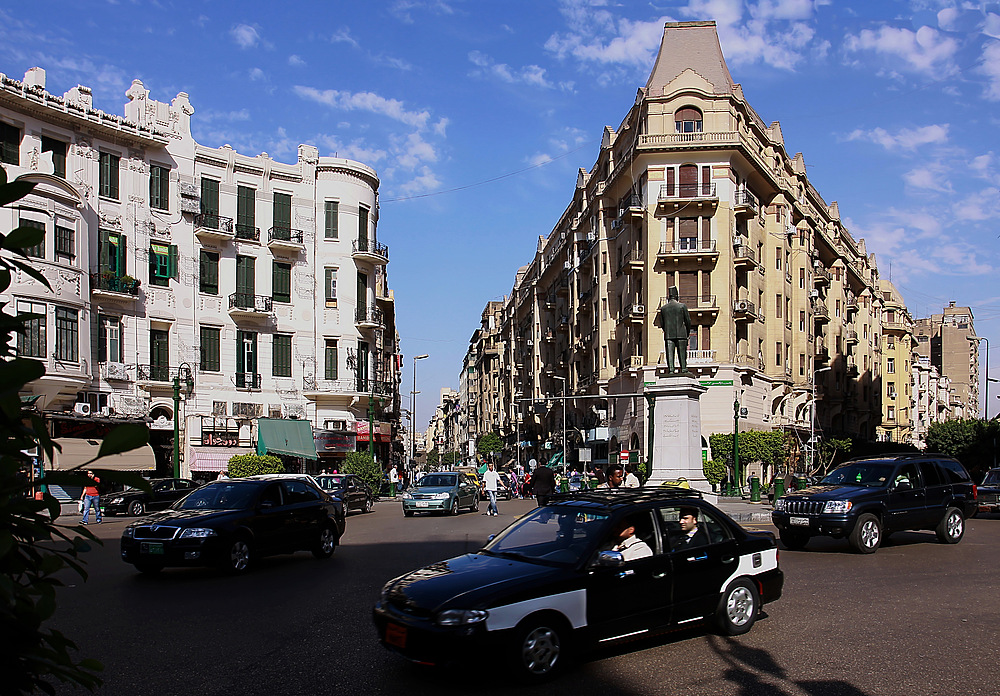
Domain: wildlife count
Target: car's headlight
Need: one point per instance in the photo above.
(406, 496)
(461, 617)
(128, 532)
(442, 496)
(115, 501)
(779, 504)
(837, 506)
(198, 533)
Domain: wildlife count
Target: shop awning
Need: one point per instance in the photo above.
(76, 451)
(214, 458)
(280, 436)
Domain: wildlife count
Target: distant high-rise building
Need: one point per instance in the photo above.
(945, 340)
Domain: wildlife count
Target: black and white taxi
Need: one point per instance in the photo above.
(552, 582)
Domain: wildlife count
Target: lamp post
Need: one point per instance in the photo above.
(189, 386)
(563, 380)
(413, 410)
(812, 419)
(986, 400)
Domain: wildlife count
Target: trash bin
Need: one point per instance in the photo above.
(754, 489)
(800, 483)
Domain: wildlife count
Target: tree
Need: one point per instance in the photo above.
(769, 447)
(971, 441)
(34, 546)
(365, 468)
(241, 465)
(489, 444)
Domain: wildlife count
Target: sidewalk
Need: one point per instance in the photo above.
(742, 510)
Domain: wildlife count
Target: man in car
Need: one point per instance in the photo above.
(693, 534)
(627, 543)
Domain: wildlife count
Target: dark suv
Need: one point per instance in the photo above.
(867, 498)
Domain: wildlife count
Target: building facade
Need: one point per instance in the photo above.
(260, 286)
(898, 353)
(945, 339)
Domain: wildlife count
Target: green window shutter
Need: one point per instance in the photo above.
(120, 256)
(330, 360)
(209, 196)
(159, 187)
(281, 282)
(283, 210)
(10, 144)
(108, 184)
(172, 262)
(210, 348)
(330, 282)
(363, 227)
(281, 356)
(246, 214)
(245, 287)
(208, 273)
(102, 338)
(332, 220)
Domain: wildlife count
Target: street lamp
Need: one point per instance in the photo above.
(563, 380)
(812, 419)
(188, 388)
(413, 409)
(986, 400)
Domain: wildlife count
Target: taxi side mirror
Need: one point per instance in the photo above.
(610, 559)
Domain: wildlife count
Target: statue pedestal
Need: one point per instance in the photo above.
(676, 423)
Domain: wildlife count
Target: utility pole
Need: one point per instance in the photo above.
(736, 446)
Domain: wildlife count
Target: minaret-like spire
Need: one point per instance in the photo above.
(694, 46)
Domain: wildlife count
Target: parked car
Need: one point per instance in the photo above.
(547, 585)
(989, 492)
(504, 490)
(354, 492)
(138, 502)
(441, 492)
(232, 522)
(869, 497)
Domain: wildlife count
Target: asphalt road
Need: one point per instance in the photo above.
(918, 617)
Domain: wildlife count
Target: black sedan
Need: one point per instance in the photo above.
(354, 492)
(137, 502)
(568, 576)
(232, 522)
(989, 492)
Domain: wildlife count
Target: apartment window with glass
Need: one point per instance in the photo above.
(777, 354)
(109, 339)
(10, 144)
(31, 343)
(58, 150)
(777, 306)
(162, 263)
(108, 179)
(67, 335)
(330, 359)
(330, 285)
(210, 348)
(688, 120)
(281, 356)
(802, 321)
(802, 278)
(208, 272)
(37, 251)
(65, 243)
(777, 259)
(246, 211)
(281, 282)
(890, 365)
(332, 215)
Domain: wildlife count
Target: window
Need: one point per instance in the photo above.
(802, 321)
(688, 120)
(777, 259)
(31, 343)
(362, 227)
(108, 186)
(246, 287)
(111, 253)
(891, 393)
(777, 306)
(210, 348)
(281, 356)
(162, 263)
(210, 203)
(246, 360)
(65, 243)
(281, 282)
(802, 278)
(37, 251)
(246, 211)
(283, 212)
(159, 355)
(890, 365)
(58, 150)
(332, 211)
(67, 335)
(208, 272)
(891, 415)
(10, 144)
(109, 339)
(159, 187)
(330, 359)
(802, 364)
(330, 283)
(777, 354)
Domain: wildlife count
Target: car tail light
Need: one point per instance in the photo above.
(975, 492)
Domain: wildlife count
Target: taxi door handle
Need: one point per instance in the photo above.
(659, 576)
(729, 559)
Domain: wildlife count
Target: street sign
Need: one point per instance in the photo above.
(716, 382)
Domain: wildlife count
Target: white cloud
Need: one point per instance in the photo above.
(414, 150)
(245, 36)
(364, 101)
(927, 178)
(343, 35)
(256, 74)
(532, 75)
(905, 138)
(925, 51)
(990, 66)
(296, 61)
(425, 181)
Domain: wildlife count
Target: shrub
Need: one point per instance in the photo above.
(715, 471)
(365, 468)
(254, 464)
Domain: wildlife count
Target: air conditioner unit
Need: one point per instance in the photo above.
(81, 408)
(591, 237)
(105, 411)
(568, 265)
(638, 309)
(742, 306)
(814, 293)
(817, 264)
(115, 370)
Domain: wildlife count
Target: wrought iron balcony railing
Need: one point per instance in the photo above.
(212, 221)
(114, 283)
(370, 246)
(248, 380)
(253, 303)
(368, 315)
(247, 232)
(284, 234)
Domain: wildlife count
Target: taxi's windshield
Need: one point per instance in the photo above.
(437, 480)
(866, 474)
(551, 535)
(330, 481)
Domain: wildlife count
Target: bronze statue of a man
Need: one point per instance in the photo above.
(676, 324)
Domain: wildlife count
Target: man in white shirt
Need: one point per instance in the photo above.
(491, 482)
(627, 543)
(393, 480)
(631, 480)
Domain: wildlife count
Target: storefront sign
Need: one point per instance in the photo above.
(716, 382)
(383, 431)
(330, 441)
(220, 439)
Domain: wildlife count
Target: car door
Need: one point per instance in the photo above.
(173, 491)
(906, 499)
(700, 567)
(161, 495)
(465, 490)
(305, 515)
(271, 519)
(355, 497)
(634, 598)
(936, 493)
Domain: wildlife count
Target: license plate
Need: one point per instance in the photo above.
(799, 521)
(422, 503)
(395, 635)
(153, 548)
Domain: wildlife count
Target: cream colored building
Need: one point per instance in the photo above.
(945, 339)
(260, 285)
(898, 350)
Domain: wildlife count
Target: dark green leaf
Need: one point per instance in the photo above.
(125, 437)
(15, 190)
(34, 273)
(23, 238)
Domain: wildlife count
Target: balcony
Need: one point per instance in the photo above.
(114, 371)
(821, 314)
(821, 276)
(851, 337)
(750, 361)
(631, 205)
(744, 257)
(688, 248)
(700, 357)
(636, 362)
(249, 306)
(247, 233)
(160, 377)
(107, 287)
(213, 228)
(247, 380)
(633, 261)
(822, 353)
(675, 196)
(697, 305)
(370, 251)
(368, 317)
(852, 370)
(285, 239)
(852, 303)
(744, 310)
(745, 204)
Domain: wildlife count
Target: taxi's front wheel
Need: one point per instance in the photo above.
(738, 608)
(541, 647)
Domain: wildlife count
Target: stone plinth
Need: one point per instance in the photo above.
(676, 422)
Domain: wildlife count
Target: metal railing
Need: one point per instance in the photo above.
(285, 234)
(687, 245)
(247, 232)
(369, 246)
(744, 198)
(368, 315)
(742, 252)
(114, 283)
(694, 190)
(155, 373)
(254, 303)
(213, 221)
(694, 301)
(248, 380)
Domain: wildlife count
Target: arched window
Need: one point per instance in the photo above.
(688, 120)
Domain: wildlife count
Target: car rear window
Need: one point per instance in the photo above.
(220, 496)
(953, 471)
(437, 480)
(992, 478)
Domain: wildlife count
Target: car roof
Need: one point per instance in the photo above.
(617, 498)
(899, 457)
(281, 477)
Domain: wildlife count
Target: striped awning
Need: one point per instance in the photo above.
(214, 458)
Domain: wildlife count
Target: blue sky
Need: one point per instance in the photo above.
(477, 116)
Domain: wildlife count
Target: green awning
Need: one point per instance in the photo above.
(280, 436)
(556, 458)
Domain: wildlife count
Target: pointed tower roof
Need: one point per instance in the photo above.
(694, 46)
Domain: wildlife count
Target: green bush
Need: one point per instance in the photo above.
(253, 464)
(365, 468)
(715, 471)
